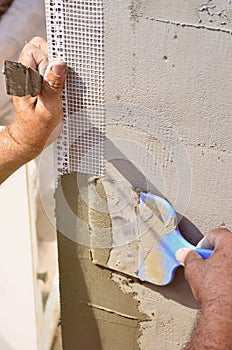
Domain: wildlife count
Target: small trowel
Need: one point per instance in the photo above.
(21, 80)
(159, 265)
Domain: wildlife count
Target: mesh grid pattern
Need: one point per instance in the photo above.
(75, 34)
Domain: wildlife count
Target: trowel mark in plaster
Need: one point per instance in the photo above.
(140, 256)
(126, 286)
(189, 25)
(110, 310)
(124, 258)
(131, 315)
(122, 282)
(152, 266)
(162, 329)
(213, 15)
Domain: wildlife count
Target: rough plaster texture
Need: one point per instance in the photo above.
(168, 109)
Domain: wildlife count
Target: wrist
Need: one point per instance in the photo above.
(218, 304)
(213, 330)
(22, 144)
(219, 312)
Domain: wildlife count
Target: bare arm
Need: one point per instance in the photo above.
(38, 118)
(211, 284)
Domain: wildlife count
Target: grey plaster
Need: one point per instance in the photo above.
(168, 114)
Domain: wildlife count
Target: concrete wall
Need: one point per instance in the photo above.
(168, 108)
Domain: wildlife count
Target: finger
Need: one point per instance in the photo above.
(185, 255)
(215, 238)
(24, 103)
(40, 43)
(193, 266)
(41, 62)
(194, 269)
(32, 56)
(205, 243)
(54, 79)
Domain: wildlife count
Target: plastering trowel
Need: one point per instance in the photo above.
(159, 265)
(21, 80)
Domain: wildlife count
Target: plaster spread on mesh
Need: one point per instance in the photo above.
(75, 35)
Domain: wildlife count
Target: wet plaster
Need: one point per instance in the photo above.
(134, 229)
(160, 304)
(95, 312)
(170, 87)
(168, 130)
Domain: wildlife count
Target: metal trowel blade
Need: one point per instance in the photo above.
(21, 80)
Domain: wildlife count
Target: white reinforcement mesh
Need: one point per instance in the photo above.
(75, 35)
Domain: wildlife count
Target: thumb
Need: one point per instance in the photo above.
(54, 79)
(186, 255)
(194, 269)
(192, 261)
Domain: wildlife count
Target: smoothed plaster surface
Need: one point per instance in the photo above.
(168, 114)
(96, 314)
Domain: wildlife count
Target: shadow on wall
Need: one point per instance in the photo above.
(135, 177)
(76, 314)
(178, 289)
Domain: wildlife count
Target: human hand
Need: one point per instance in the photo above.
(36, 118)
(210, 279)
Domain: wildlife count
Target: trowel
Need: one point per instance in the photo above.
(159, 265)
(21, 80)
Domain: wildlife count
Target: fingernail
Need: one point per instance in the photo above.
(180, 255)
(59, 70)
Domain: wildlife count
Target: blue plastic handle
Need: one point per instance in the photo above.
(167, 245)
(205, 253)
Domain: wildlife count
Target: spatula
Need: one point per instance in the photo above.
(159, 266)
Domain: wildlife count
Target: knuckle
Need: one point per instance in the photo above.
(28, 49)
(221, 231)
(191, 256)
(190, 264)
(36, 40)
(53, 85)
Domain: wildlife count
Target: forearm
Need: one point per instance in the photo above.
(214, 328)
(13, 154)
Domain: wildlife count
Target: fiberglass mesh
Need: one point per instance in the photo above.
(75, 35)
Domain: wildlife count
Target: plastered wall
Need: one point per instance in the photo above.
(168, 121)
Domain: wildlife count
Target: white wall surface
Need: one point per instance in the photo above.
(17, 304)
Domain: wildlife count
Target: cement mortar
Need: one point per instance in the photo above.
(167, 91)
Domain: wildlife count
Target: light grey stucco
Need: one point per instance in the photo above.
(168, 120)
(179, 74)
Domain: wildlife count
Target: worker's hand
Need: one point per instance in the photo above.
(210, 279)
(37, 118)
